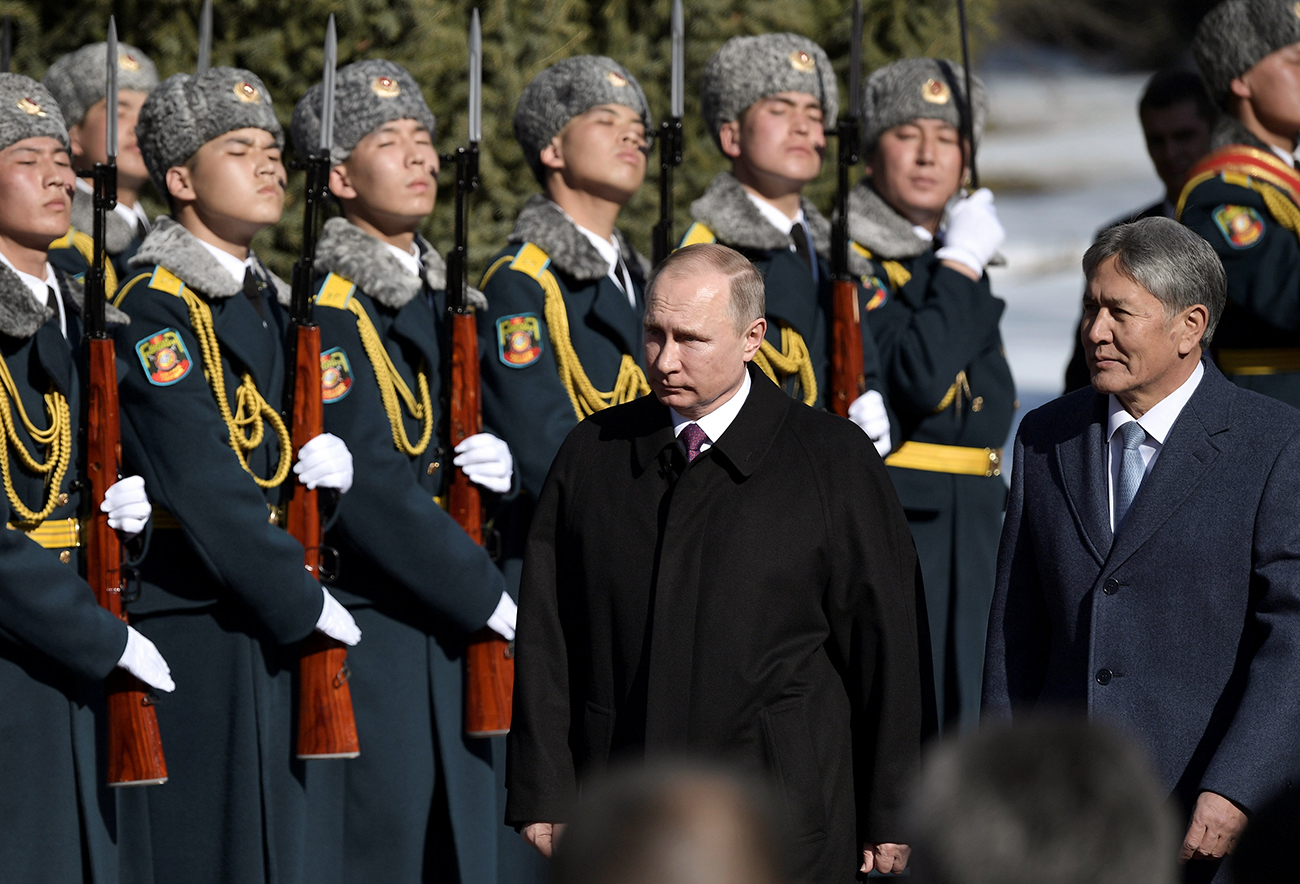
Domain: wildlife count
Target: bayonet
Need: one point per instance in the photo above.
(670, 135)
(205, 38)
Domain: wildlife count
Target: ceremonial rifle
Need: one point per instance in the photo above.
(135, 753)
(205, 38)
(327, 727)
(670, 139)
(847, 380)
(489, 658)
(968, 118)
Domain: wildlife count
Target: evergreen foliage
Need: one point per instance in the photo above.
(280, 40)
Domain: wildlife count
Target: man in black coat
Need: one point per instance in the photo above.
(722, 570)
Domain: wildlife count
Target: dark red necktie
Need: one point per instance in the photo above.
(693, 437)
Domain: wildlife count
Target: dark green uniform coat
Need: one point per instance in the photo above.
(121, 241)
(56, 643)
(794, 299)
(937, 332)
(417, 585)
(225, 596)
(1262, 261)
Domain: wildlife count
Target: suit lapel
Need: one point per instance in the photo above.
(1187, 454)
(1081, 463)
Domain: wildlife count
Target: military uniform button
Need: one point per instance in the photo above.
(1104, 676)
(65, 557)
(1110, 587)
(63, 499)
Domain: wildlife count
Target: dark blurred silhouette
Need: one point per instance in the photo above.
(1177, 120)
(1050, 800)
(1267, 852)
(672, 823)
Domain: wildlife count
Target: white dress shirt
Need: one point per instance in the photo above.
(133, 215)
(1157, 422)
(37, 287)
(233, 265)
(784, 223)
(715, 423)
(410, 259)
(610, 251)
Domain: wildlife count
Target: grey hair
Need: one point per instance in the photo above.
(748, 293)
(1171, 262)
(1043, 800)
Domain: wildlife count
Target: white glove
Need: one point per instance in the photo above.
(335, 621)
(325, 462)
(502, 621)
(974, 232)
(868, 412)
(141, 659)
(486, 461)
(127, 506)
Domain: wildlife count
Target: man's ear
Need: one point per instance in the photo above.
(180, 184)
(74, 143)
(729, 139)
(754, 337)
(552, 155)
(1192, 325)
(341, 182)
(1240, 88)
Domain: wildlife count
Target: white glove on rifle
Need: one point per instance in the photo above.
(127, 506)
(335, 620)
(868, 412)
(141, 659)
(502, 621)
(486, 461)
(325, 462)
(974, 232)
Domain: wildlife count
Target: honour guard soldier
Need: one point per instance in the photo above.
(224, 591)
(1244, 198)
(77, 82)
(56, 643)
(935, 320)
(415, 582)
(767, 101)
(561, 337)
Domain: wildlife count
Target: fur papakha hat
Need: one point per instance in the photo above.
(747, 69)
(28, 110)
(1235, 35)
(77, 80)
(569, 88)
(367, 94)
(919, 88)
(187, 111)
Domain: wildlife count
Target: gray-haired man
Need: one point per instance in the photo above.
(1149, 571)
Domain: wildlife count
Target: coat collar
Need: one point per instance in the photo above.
(727, 211)
(1229, 131)
(172, 246)
(875, 225)
(21, 316)
(745, 442)
(544, 223)
(118, 232)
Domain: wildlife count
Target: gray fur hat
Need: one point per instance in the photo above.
(746, 69)
(28, 110)
(186, 112)
(1236, 34)
(77, 80)
(367, 94)
(568, 88)
(919, 88)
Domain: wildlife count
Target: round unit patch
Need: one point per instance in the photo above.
(1241, 226)
(335, 375)
(519, 340)
(164, 357)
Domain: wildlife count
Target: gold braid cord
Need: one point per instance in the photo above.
(57, 439)
(960, 388)
(586, 399)
(248, 424)
(391, 386)
(792, 358)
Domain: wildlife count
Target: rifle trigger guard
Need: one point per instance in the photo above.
(327, 573)
(343, 675)
(130, 588)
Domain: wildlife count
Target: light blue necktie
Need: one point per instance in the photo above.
(1131, 471)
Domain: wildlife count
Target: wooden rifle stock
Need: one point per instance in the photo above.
(327, 727)
(489, 658)
(847, 380)
(135, 752)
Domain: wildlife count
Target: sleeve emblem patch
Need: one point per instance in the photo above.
(1241, 226)
(519, 340)
(879, 292)
(335, 375)
(164, 357)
